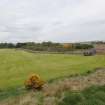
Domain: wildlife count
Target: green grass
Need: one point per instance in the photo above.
(16, 66)
(91, 96)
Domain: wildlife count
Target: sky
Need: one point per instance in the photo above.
(52, 20)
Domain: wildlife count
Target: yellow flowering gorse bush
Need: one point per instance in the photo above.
(34, 82)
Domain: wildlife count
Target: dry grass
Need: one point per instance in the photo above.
(50, 93)
(75, 83)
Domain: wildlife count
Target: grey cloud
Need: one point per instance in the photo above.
(54, 20)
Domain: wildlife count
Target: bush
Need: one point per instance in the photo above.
(34, 82)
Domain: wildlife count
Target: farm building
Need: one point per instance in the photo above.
(100, 48)
(89, 52)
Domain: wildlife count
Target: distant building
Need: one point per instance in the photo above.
(100, 48)
(89, 52)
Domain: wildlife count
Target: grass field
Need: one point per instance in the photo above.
(16, 66)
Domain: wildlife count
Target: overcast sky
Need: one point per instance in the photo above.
(52, 20)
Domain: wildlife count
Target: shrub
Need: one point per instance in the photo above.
(34, 82)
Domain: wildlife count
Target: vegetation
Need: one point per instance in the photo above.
(83, 46)
(17, 65)
(90, 96)
(34, 82)
(76, 90)
(47, 46)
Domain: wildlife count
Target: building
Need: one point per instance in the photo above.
(100, 48)
(89, 52)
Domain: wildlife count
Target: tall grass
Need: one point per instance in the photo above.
(91, 96)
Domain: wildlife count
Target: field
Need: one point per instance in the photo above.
(16, 66)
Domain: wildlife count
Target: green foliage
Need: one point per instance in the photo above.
(7, 45)
(11, 92)
(47, 46)
(91, 96)
(71, 99)
(83, 46)
(16, 66)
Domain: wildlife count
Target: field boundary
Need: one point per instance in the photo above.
(76, 82)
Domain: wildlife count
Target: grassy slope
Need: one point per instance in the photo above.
(91, 96)
(66, 92)
(16, 66)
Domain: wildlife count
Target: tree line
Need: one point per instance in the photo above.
(47, 46)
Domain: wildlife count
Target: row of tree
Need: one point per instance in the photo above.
(47, 46)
